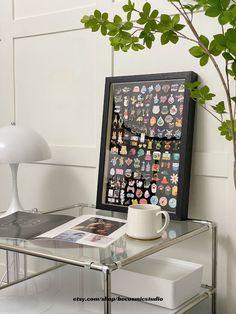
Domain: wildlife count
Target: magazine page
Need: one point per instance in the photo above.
(27, 225)
(92, 230)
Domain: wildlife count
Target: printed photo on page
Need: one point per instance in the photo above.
(98, 231)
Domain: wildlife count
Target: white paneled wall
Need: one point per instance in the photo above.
(52, 79)
(28, 8)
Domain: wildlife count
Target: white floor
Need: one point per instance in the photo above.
(53, 293)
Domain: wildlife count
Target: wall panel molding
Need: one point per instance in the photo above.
(73, 156)
(28, 8)
(6, 64)
(32, 31)
(211, 164)
(51, 23)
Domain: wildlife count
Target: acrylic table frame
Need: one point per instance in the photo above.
(208, 291)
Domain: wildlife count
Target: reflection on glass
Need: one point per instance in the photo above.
(123, 249)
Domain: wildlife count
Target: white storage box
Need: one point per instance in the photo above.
(170, 281)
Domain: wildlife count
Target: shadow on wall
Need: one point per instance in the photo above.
(198, 199)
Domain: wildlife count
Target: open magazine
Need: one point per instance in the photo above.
(92, 230)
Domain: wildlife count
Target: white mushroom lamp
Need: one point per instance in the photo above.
(20, 145)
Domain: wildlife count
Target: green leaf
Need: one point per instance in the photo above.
(204, 40)
(126, 8)
(234, 67)
(150, 26)
(234, 99)
(220, 108)
(104, 16)
(142, 21)
(95, 28)
(140, 47)
(97, 14)
(111, 26)
(87, 24)
(142, 34)
(213, 11)
(135, 39)
(116, 47)
(165, 19)
(210, 96)
(231, 34)
(226, 129)
(134, 47)
(200, 94)
(215, 49)
(224, 4)
(154, 14)
(232, 47)
(174, 38)
(204, 59)
(196, 51)
(148, 43)
(125, 35)
(127, 26)
(227, 56)
(93, 22)
(103, 30)
(205, 90)
(146, 8)
(220, 40)
(117, 20)
(192, 8)
(115, 40)
(175, 19)
(129, 16)
(233, 11)
(126, 48)
(178, 27)
(224, 17)
(165, 38)
(214, 3)
(193, 85)
(230, 72)
(85, 19)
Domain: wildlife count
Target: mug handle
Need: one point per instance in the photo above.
(167, 220)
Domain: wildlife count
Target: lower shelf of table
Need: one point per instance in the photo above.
(53, 292)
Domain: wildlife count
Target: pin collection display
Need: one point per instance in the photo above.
(145, 143)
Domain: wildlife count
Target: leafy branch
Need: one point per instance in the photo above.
(143, 26)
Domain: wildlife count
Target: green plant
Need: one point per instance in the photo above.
(142, 27)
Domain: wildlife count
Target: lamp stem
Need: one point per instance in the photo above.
(15, 203)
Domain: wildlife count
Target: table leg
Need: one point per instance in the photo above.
(13, 266)
(14, 262)
(214, 266)
(107, 290)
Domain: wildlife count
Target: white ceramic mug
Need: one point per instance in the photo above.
(144, 221)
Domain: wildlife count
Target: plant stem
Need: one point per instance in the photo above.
(212, 114)
(181, 35)
(235, 174)
(136, 31)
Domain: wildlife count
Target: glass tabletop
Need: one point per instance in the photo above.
(120, 253)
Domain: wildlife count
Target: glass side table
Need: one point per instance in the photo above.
(120, 253)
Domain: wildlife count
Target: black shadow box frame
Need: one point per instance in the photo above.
(146, 143)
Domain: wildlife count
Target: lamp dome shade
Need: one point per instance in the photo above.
(21, 144)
